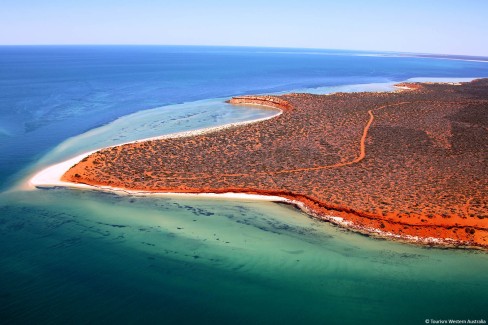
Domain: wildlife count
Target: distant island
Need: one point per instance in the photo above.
(409, 165)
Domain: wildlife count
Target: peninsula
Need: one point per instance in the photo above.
(407, 165)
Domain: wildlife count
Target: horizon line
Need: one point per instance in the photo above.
(406, 53)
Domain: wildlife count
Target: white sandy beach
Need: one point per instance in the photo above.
(51, 176)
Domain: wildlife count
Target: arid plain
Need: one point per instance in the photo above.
(408, 165)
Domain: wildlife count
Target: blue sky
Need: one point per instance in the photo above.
(424, 26)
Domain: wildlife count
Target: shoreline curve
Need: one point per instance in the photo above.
(53, 174)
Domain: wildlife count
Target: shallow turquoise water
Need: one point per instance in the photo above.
(85, 256)
(71, 256)
(150, 123)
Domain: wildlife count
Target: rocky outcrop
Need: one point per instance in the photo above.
(271, 101)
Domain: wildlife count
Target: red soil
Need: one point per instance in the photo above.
(405, 164)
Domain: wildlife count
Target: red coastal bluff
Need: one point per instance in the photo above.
(271, 101)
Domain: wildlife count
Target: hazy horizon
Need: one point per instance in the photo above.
(447, 27)
(299, 49)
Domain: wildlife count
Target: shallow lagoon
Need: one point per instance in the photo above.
(83, 256)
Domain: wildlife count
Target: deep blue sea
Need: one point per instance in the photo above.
(72, 256)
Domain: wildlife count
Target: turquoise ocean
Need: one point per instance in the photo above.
(87, 257)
